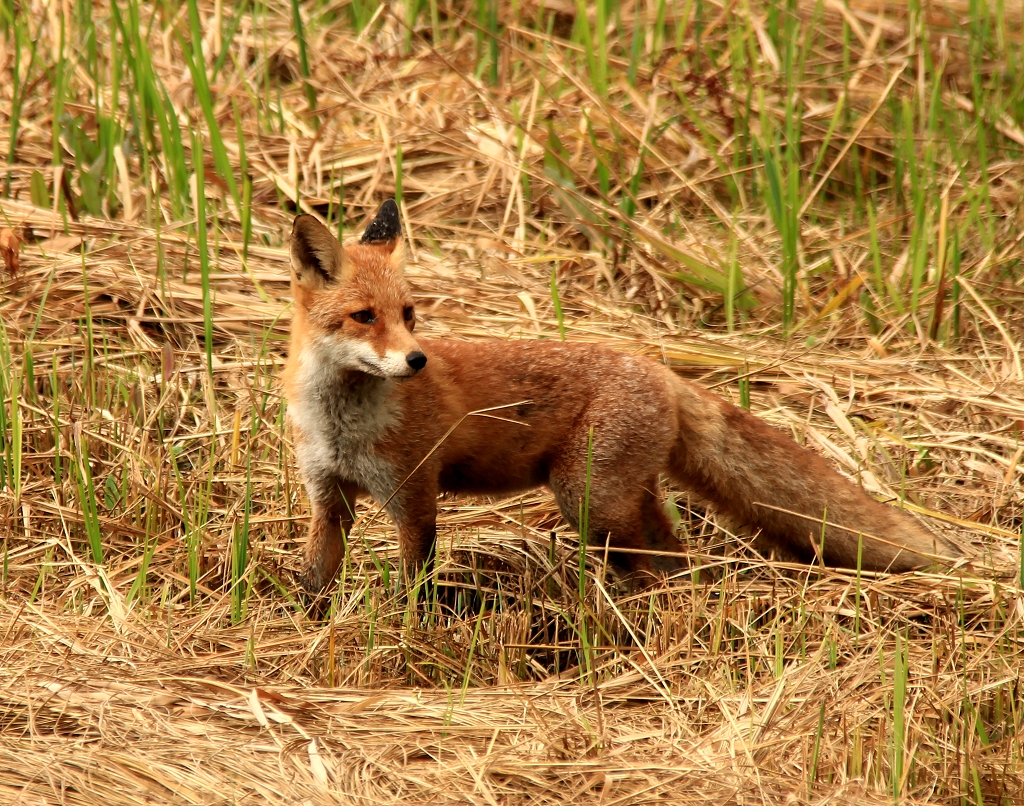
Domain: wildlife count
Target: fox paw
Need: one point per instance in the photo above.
(314, 595)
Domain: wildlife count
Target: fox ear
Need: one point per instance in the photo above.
(386, 229)
(317, 257)
(398, 256)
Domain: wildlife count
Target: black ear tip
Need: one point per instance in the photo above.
(386, 227)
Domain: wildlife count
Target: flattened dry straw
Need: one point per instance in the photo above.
(151, 646)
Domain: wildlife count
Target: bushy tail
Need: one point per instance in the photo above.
(759, 478)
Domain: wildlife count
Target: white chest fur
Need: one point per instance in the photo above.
(341, 416)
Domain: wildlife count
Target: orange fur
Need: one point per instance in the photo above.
(366, 412)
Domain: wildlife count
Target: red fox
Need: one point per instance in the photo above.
(376, 411)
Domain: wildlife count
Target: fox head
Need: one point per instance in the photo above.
(353, 299)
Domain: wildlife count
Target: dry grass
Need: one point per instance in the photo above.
(151, 646)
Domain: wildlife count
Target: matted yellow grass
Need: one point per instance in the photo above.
(180, 668)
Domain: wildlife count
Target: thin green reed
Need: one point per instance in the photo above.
(150, 542)
(604, 180)
(202, 246)
(591, 43)
(148, 103)
(61, 79)
(697, 26)
(58, 469)
(228, 38)
(584, 517)
(482, 16)
(8, 388)
(734, 279)
(412, 13)
(173, 150)
(87, 493)
(636, 46)
(793, 66)
(240, 585)
(435, 24)
(743, 386)
(85, 38)
(243, 167)
(193, 523)
(300, 35)
(17, 427)
(141, 100)
(330, 199)
(979, 22)
(341, 200)
(584, 530)
(63, 72)
(359, 14)
(19, 79)
(111, 127)
(782, 198)
(89, 374)
(600, 76)
(812, 774)
(658, 33)
(953, 335)
(197, 68)
(899, 726)
(493, 41)
(918, 254)
(398, 174)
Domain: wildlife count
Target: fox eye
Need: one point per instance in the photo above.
(364, 317)
(408, 313)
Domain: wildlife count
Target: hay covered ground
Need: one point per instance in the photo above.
(813, 208)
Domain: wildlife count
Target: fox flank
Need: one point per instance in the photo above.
(368, 402)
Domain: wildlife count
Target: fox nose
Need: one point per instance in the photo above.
(416, 360)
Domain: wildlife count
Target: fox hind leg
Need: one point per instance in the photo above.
(659, 534)
(615, 519)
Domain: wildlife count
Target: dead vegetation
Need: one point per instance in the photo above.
(152, 649)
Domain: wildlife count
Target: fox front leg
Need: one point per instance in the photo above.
(415, 513)
(332, 518)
